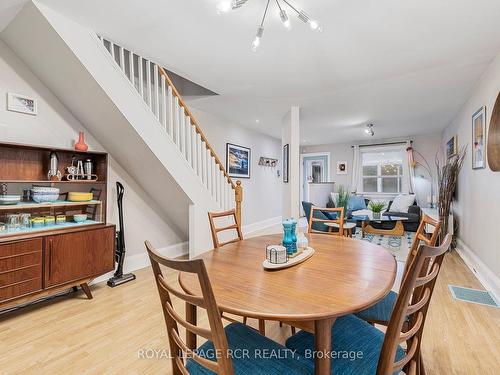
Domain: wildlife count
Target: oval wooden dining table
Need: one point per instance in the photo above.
(343, 276)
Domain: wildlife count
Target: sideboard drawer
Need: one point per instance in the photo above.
(20, 247)
(20, 261)
(20, 289)
(19, 275)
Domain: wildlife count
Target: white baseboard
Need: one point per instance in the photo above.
(138, 261)
(486, 277)
(260, 225)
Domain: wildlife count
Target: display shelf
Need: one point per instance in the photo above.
(69, 224)
(34, 205)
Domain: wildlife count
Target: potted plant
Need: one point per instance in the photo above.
(343, 199)
(376, 208)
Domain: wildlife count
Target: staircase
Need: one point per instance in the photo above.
(132, 108)
(157, 91)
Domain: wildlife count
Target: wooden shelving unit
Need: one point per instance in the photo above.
(35, 262)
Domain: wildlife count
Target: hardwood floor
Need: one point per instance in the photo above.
(73, 335)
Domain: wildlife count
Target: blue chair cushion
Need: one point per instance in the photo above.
(381, 311)
(317, 215)
(356, 346)
(252, 354)
(356, 203)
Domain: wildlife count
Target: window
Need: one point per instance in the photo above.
(382, 171)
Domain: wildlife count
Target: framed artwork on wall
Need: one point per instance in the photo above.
(342, 167)
(238, 160)
(452, 147)
(285, 163)
(478, 138)
(22, 104)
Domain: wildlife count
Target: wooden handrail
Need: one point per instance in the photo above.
(196, 125)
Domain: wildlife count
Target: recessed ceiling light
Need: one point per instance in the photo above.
(257, 121)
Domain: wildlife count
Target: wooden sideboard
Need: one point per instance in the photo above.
(39, 261)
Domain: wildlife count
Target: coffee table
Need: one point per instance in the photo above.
(367, 228)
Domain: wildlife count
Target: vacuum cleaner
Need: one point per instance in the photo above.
(119, 277)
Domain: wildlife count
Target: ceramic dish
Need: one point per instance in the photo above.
(9, 199)
(43, 194)
(60, 219)
(80, 218)
(3, 227)
(80, 197)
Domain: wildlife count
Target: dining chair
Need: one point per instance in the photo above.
(318, 221)
(235, 349)
(380, 313)
(382, 354)
(229, 215)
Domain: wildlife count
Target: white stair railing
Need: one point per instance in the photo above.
(155, 88)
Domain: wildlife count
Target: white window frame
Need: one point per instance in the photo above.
(379, 176)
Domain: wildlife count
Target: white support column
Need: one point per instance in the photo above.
(290, 135)
(204, 162)
(132, 69)
(199, 168)
(112, 48)
(122, 60)
(208, 161)
(170, 105)
(213, 173)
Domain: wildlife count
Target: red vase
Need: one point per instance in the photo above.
(81, 145)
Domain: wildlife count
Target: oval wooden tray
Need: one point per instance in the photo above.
(306, 254)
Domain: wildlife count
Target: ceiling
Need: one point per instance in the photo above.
(407, 66)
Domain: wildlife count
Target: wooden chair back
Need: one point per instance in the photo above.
(179, 349)
(421, 236)
(212, 216)
(413, 301)
(339, 221)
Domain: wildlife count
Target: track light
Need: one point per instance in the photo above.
(258, 36)
(369, 130)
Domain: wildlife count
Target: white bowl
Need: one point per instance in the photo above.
(79, 218)
(9, 199)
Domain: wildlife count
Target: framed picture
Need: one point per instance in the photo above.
(22, 104)
(452, 147)
(238, 159)
(342, 167)
(478, 139)
(285, 163)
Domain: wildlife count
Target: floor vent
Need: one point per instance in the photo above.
(481, 297)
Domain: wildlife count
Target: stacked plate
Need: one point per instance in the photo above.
(80, 197)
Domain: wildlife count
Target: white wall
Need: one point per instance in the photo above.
(478, 203)
(290, 134)
(262, 191)
(427, 145)
(56, 126)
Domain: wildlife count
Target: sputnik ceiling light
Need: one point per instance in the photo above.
(225, 6)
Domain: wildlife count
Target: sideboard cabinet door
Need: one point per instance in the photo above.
(73, 256)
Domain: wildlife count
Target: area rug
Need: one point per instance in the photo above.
(399, 246)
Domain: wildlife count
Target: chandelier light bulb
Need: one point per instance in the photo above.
(224, 6)
(285, 20)
(258, 37)
(315, 25)
(369, 130)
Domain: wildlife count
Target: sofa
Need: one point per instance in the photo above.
(411, 225)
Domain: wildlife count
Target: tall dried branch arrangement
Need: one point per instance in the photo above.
(447, 183)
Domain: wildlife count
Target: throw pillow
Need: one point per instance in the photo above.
(356, 203)
(402, 203)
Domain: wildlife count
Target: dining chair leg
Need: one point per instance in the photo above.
(262, 327)
(293, 330)
(244, 320)
(323, 344)
(281, 324)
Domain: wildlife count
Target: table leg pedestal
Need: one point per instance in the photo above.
(323, 345)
